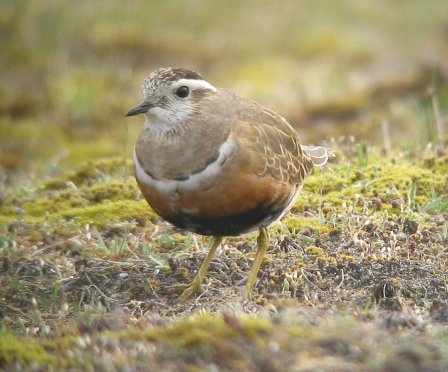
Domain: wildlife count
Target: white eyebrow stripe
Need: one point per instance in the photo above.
(195, 84)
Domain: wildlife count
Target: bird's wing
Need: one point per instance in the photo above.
(275, 144)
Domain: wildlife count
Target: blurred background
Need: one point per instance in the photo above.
(70, 71)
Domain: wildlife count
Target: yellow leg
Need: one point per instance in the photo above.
(196, 285)
(263, 245)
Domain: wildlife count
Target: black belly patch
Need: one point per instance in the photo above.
(231, 225)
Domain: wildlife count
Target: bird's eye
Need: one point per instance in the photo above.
(182, 92)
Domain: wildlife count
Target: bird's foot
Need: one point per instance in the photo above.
(194, 288)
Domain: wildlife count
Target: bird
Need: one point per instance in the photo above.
(215, 163)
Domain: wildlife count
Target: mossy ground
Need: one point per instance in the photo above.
(355, 276)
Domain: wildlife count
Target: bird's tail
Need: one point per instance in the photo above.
(319, 155)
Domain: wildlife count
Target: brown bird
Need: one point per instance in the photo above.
(214, 163)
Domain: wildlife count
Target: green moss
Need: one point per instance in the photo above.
(96, 193)
(91, 172)
(352, 186)
(4, 221)
(53, 204)
(346, 258)
(401, 176)
(439, 165)
(108, 212)
(114, 190)
(297, 224)
(24, 350)
(315, 251)
(207, 330)
(324, 181)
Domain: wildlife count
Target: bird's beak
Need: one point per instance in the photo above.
(141, 108)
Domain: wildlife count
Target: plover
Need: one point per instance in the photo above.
(215, 163)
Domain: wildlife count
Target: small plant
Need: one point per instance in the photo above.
(146, 248)
(166, 241)
(3, 241)
(56, 292)
(188, 241)
(114, 247)
(411, 195)
(436, 204)
(361, 154)
(444, 232)
(161, 264)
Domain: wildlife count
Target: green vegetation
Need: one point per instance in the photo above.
(356, 274)
(367, 239)
(98, 193)
(378, 185)
(25, 351)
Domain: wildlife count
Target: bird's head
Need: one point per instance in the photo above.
(171, 97)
